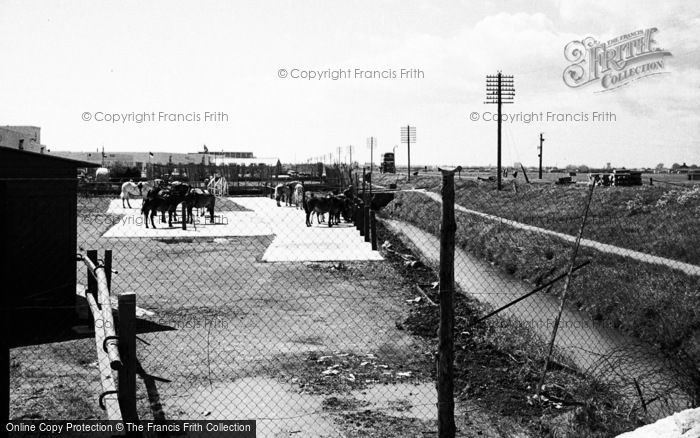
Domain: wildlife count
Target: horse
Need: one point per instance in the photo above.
(129, 189)
(289, 192)
(329, 204)
(299, 197)
(164, 200)
(279, 193)
(198, 198)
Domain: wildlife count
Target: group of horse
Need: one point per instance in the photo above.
(165, 198)
(337, 205)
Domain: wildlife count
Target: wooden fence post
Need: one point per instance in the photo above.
(91, 280)
(365, 223)
(445, 366)
(108, 268)
(127, 351)
(360, 218)
(373, 228)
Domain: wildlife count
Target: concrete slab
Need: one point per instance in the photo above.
(226, 223)
(293, 241)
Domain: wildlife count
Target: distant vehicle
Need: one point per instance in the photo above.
(388, 165)
(292, 173)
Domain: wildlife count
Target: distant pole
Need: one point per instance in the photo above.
(500, 104)
(499, 90)
(408, 136)
(540, 154)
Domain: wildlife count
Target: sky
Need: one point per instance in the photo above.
(67, 61)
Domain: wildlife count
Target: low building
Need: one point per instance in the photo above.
(23, 138)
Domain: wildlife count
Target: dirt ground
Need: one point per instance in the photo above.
(307, 349)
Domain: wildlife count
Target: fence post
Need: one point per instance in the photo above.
(365, 223)
(108, 268)
(91, 280)
(361, 218)
(127, 351)
(373, 228)
(445, 367)
(562, 298)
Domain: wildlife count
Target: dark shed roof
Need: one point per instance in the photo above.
(15, 163)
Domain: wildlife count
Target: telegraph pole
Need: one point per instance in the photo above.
(540, 154)
(408, 136)
(499, 90)
(371, 143)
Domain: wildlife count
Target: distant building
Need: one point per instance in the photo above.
(141, 159)
(229, 154)
(24, 138)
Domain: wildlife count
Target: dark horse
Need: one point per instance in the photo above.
(198, 198)
(329, 204)
(163, 200)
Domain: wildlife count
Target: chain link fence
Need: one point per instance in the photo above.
(311, 332)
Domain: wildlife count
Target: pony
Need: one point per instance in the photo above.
(129, 189)
(279, 193)
(328, 204)
(289, 191)
(299, 197)
(198, 198)
(164, 200)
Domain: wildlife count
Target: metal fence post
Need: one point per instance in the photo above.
(445, 367)
(127, 351)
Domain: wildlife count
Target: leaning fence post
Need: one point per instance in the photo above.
(127, 351)
(373, 229)
(445, 368)
(562, 299)
(91, 280)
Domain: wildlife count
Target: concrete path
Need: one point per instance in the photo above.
(592, 346)
(603, 247)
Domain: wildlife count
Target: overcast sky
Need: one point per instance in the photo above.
(64, 58)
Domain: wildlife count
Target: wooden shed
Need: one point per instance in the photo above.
(38, 232)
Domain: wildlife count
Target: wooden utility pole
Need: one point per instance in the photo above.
(540, 154)
(445, 366)
(499, 90)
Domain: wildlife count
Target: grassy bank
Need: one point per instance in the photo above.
(653, 303)
(659, 220)
(498, 365)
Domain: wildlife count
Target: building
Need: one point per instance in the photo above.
(23, 138)
(141, 159)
